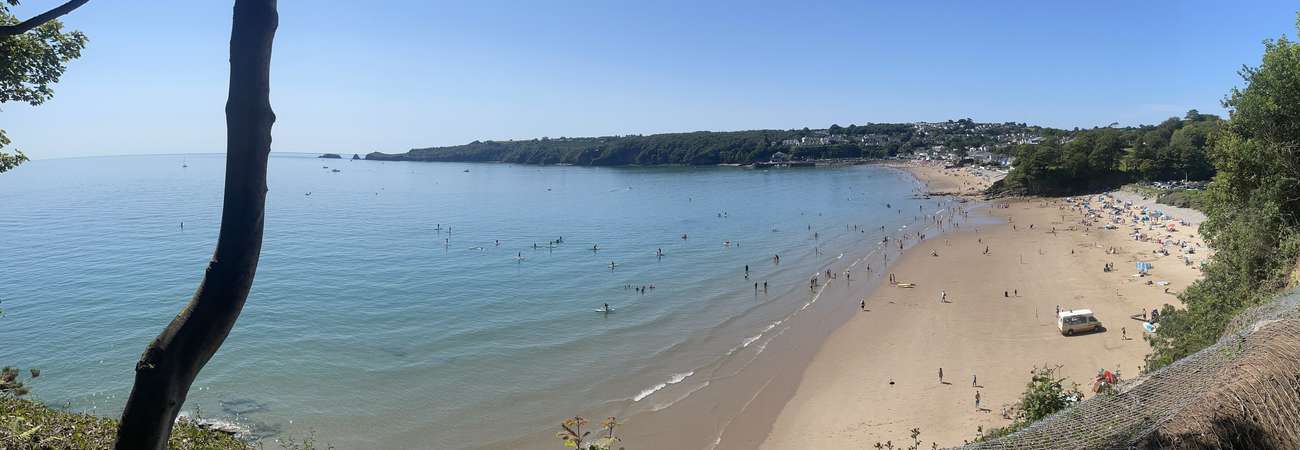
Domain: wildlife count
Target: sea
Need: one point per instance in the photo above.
(426, 305)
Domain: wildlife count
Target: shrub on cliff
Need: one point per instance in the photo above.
(1252, 210)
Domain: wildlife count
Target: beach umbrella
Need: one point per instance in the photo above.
(1143, 266)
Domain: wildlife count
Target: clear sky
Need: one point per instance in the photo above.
(356, 77)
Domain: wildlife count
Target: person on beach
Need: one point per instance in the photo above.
(973, 382)
(755, 287)
(863, 303)
(977, 400)
(940, 375)
(764, 286)
(943, 296)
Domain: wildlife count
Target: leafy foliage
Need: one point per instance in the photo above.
(573, 436)
(731, 147)
(914, 445)
(11, 384)
(1103, 158)
(1044, 395)
(1252, 207)
(25, 424)
(30, 63)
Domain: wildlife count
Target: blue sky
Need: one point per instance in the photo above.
(356, 77)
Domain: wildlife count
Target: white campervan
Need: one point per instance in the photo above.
(1077, 321)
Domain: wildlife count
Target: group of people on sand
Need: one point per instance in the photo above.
(974, 384)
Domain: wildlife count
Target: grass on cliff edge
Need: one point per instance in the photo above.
(25, 424)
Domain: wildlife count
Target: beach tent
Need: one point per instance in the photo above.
(1143, 266)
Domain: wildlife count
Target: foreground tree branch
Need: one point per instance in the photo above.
(27, 25)
(169, 365)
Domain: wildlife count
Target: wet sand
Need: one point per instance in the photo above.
(824, 380)
(747, 390)
(876, 377)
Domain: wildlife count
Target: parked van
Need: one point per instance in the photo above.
(1077, 321)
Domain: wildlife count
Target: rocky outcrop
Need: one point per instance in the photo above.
(331, 156)
(377, 156)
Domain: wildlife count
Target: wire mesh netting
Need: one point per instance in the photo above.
(1241, 392)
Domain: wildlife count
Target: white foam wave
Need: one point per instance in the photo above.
(646, 393)
(662, 406)
(674, 379)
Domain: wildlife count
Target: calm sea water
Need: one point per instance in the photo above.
(386, 314)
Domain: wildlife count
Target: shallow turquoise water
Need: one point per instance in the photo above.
(373, 328)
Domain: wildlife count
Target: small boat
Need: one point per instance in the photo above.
(466, 170)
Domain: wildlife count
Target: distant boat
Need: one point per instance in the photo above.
(334, 170)
(466, 170)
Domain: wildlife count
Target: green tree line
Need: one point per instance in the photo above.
(1252, 207)
(728, 147)
(1103, 158)
(696, 148)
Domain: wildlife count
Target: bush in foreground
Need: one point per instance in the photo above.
(25, 424)
(1044, 395)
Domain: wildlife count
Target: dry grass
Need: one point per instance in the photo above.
(25, 424)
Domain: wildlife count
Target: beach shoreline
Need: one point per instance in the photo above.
(741, 397)
(835, 376)
(877, 376)
(967, 182)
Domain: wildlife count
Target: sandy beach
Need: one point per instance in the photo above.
(939, 180)
(876, 377)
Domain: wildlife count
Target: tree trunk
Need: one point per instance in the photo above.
(168, 366)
